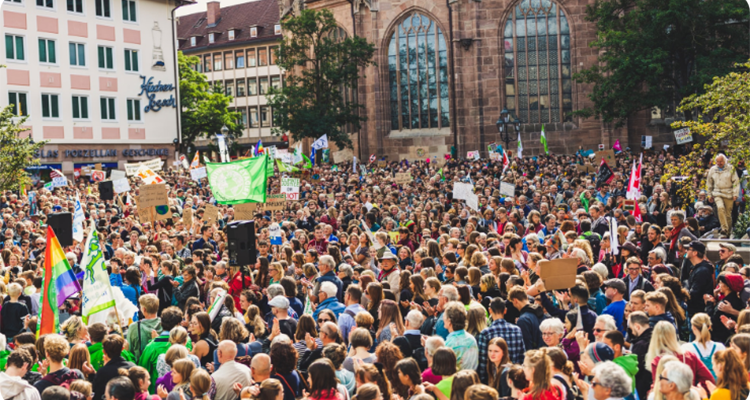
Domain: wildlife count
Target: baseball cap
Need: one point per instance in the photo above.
(615, 283)
(279, 302)
(697, 246)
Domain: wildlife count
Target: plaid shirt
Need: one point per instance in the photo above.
(513, 337)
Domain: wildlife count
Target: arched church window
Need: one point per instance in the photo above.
(538, 85)
(418, 75)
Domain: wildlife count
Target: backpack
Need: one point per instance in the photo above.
(418, 355)
(63, 380)
(708, 360)
(595, 242)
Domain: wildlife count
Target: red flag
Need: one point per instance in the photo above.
(637, 212)
(506, 161)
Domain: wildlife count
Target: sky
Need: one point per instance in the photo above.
(201, 6)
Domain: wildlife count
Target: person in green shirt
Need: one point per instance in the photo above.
(443, 364)
(628, 362)
(139, 333)
(170, 317)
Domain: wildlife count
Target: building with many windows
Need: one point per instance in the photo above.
(96, 78)
(237, 48)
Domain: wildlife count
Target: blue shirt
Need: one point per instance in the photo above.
(332, 304)
(346, 321)
(617, 310)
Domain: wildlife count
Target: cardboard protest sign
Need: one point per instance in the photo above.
(608, 155)
(507, 189)
(275, 202)
(153, 195)
(244, 211)
(59, 181)
(197, 173)
(211, 214)
(403, 178)
(558, 274)
(162, 212)
(342, 156)
(121, 185)
(382, 164)
(86, 170)
(187, 217)
(393, 236)
(98, 166)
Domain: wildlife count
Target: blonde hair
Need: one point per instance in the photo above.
(71, 327)
(185, 368)
(176, 352)
(178, 335)
(476, 319)
(200, 383)
(541, 378)
(14, 290)
(702, 322)
(81, 386)
(659, 369)
(663, 341)
(584, 245)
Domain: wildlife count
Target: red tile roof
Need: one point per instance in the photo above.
(261, 13)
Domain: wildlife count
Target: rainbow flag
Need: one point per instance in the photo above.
(58, 283)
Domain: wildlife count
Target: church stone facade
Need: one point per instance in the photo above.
(445, 70)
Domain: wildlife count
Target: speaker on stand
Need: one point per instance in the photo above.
(241, 245)
(62, 224)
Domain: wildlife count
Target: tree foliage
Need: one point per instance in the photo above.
(723, 121)
(319, 64)
(204, 107)
(16, 153)
(654, 53)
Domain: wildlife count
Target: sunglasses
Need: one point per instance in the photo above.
(323, 320)
(599, 330)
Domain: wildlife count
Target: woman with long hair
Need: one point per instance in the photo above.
(562, 372)
(374, 295)
(498, 365)
(206, 339)
(284, 360)
(410, 376)
(141, 381)
(476, 319)
(537, 366)
(675, 309)
(740, 344)
(731, 377)
(388, 355)
(369, 373)
(443, 365)
(664, 342)
(181, 372)
(321, 376)
(461, 382)
(269, 389)
(703, 346)
(390, 318)
(80, 359)
(200, 385)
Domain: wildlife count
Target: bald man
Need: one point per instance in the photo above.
(230, 372)
(260, 367)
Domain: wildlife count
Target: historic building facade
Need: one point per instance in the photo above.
(446, 69)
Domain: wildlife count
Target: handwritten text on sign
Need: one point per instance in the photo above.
(290, 186)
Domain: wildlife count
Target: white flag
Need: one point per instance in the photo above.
(354, 164)
(321, 143)
(614, 243)
(520, 146)
(297, 154)
(96, 296)
(78, 218)
(223, 151)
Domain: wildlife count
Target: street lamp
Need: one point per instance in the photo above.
(504, 123)
(224, 155)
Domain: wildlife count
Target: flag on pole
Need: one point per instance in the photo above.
(238, 182)
(520, 146)
(206, 160)
(605, 174)
(634, 184)
(78, 218)
(308, 163)
(259, 148)
(544, 141)
(297, 154)
(312, 156)
(321, 143)
(372, 158)
(183, 160)
(506, 161)
(616, 147)
(196, 161)
(285, 168)
(58, 283)
(97, 294)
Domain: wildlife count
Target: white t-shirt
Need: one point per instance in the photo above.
(703, 351)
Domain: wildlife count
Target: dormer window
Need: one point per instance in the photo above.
(210, 38)
(277, 29)
(253, 32)
(231, 34)
(192, 41)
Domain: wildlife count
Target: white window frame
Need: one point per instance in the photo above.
(112, 109)
(277, 29)
(102, 6)
(41, 99)
(18, 93)
(211, 38)
(19, 3)
(81, 12)
(114, 58)
(230, 35)
(54, 43)
(78, 55)
(45, 7)
(15, 52)
(132, 101)
(130, 20)
(76, 98)
(193, 40)
(128, 53)
(254, 32)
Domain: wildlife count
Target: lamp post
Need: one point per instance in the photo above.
(504, 123)
(225, 138)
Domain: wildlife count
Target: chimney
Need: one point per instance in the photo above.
(213, 13)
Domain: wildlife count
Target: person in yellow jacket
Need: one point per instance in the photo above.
(723, 186)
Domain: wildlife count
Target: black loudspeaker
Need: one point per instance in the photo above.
(241, 240)
(106, 190)
(62, 224)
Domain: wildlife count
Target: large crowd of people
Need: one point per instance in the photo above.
(386, 291)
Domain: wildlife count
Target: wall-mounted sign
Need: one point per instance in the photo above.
(101, 153)
(149, 89)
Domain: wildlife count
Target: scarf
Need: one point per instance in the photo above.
(675, 235)
(384, 274)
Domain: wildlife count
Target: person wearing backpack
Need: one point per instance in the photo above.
(703, 346)
(56, 348)
(411, 342)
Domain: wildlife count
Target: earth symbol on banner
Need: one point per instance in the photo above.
(231, 179)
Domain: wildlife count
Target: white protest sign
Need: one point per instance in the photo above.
(116, 174)
(507, 189)
(149, 176)
(274, 232)
(368, 206)
(462, 191)
(59, 181)
(290, 186)
(198, 173)
(683, 136)
(473, 202)
(121, 185)
(154, 165)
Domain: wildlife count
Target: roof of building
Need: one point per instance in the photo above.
(263, 14)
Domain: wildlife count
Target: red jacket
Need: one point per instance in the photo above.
(700, 372)
(236, 287)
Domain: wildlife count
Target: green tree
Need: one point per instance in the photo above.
(722, 121)
(319, 64)
(204, 106)
(654, 53)
(16, 153)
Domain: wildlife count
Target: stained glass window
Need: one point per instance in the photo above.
(418, 74)
(538, 86)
